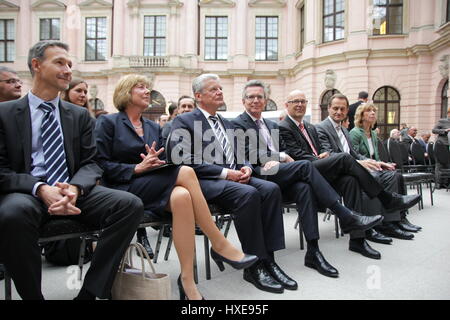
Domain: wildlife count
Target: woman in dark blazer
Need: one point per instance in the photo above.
(364, 138)
(129, 151)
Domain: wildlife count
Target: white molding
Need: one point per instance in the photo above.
(267, 3)
(48, 5)
(143, 4)
(217, 3)
(8, 6)
(94, 4)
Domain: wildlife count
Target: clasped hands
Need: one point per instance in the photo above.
(60, 199)
(374, 165)
(241, 176)
(149, 161)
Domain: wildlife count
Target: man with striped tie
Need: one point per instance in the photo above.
(205, 141)
(47, 169)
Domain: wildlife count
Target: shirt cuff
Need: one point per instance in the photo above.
(224, 174)
(36, 186)
(282, 156)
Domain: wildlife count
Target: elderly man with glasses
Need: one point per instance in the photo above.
(10, 84)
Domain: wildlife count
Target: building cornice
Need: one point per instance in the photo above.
(48, 5)
(6, 6)
(217, 3)
(95, 4)
(267, 3)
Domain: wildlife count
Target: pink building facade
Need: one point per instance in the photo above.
(397, 50)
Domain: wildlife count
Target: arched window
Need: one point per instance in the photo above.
(387, 100)
(157, 106)
(324, 102)
(444, 104)
(270, 106)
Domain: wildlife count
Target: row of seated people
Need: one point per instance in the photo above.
(135, 177)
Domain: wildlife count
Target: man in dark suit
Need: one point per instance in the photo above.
(299, 180)
(342, 171)
(363, 97)
(205, 141)
(37, 186)
(10, 89)
(335, 139)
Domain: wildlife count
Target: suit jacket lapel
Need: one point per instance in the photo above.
(23, 125)
(66, 117)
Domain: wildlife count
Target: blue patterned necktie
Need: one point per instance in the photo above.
(229, 156)
(53, 146)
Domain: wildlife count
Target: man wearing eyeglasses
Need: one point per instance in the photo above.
(10, 84)
(341, 170)
(299, 181)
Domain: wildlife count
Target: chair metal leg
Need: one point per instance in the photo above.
(431, 192)
(336, 227)
(207, 260)
(81, 257)
(169, 246)
(195, 267)
(8, 291)
(227, 228)
(158, 243)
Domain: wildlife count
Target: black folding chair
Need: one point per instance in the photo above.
(442, 156)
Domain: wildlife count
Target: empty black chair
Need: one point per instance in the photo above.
(430, 151)
(382, 152)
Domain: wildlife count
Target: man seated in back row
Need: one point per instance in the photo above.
(341, 170)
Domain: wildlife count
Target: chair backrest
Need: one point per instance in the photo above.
(382, 152)
(395, 153)
(430, 151)
(417, 153)
(441, 153)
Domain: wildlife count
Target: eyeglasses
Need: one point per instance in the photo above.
(257, 97)
(298, 102)
(12, 81)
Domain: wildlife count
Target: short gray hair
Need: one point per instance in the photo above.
(6, 69)
(198, 83)
(256, 83)
(37, 51)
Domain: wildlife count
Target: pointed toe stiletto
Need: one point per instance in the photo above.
(183, 295)
(247, 261)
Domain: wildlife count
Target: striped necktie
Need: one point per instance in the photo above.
(265, 134)
(53, 146)
(342, 139)
(229, 156)
(305, 133)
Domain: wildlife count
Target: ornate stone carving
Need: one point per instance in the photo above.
(330, 79)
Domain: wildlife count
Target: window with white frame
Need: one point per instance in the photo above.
(7, 40)
(266, 48)
(387, 17)
(49, 29)
(95, 46)
(333, 20)
(154, 36)
(216, 38)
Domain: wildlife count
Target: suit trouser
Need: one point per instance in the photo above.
(301, 182)
(118, 213)
(258, 215)
(391, 181)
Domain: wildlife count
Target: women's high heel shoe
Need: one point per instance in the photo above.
(247, 261)
(183, 295)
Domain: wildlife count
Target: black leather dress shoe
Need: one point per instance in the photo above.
(374, 236)
(404, 224)
(361, 246)
(261, 278)
(360, 222)
(315, 260)
(401, 202)
(392, 230)
(280, 276)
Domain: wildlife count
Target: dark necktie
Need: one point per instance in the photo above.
(229, 155)
(53, 146)
(305, 133)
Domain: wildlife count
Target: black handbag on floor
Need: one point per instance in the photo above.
(66, 252)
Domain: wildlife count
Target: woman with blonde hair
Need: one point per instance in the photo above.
(364, 137)
(131, 154)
